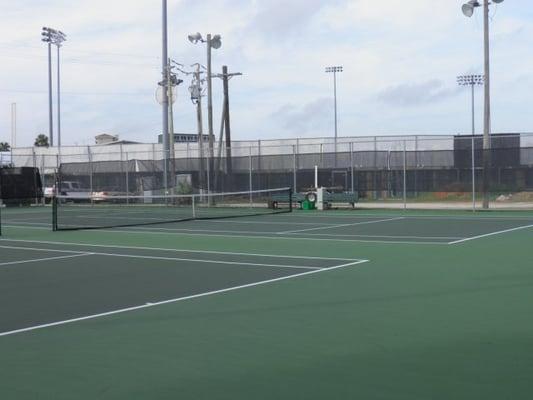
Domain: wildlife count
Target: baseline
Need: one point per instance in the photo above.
(491, 234)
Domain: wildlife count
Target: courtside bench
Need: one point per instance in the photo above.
(329, 198)
(283, 198)
(347, 197)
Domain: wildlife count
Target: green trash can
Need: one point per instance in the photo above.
(308, 205)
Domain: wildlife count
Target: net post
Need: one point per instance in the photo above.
(404, 175)
(290, 199)
(473, 173)
(352, 168)
(193, 200)
(127, 179)
(91, 178)
(294, 167)
(250, 178)
(54, 214)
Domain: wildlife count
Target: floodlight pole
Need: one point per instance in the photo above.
(210, 111)
(50, 109)
(58, 98)
(468, 10)
(165, 84)
(472, 81)
(334, 70)
(486, 121)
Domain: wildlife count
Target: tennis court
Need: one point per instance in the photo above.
(336, 304)
(373, 226)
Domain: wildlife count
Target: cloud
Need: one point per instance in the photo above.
(311, 117)
(281, 47)
(414, 94)
(280, 17)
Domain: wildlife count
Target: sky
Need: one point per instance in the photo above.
(400, 60)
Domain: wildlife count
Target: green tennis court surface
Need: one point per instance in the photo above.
(362, 304)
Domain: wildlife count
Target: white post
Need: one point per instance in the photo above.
(352, 167)
(404, 175)
(251, 175)
(316, 176)
(127, 180)
(473, 174)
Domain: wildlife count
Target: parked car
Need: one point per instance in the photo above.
(109, 196)
(72, 189)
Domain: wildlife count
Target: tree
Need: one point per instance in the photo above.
(4, 146)
(41, 141)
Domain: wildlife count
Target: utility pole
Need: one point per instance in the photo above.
(170, 97)
(225, 84)
(225, 124)
(196, 96)
(210, 111)
(214, 42)
(486, 122)
(165, 96)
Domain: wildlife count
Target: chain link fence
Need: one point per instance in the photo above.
(410, 171)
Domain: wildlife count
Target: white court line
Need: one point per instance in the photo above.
(385, 236)
(475, 217)
(341, 225)
(27, 223)
(195, 296)
(263, 222)
(492, 234)
(238, 263)
(161, 249)
(44, 259)
(192, 230)
(195, 260)
(146, 232)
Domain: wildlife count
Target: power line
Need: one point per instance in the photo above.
(29, 91)
(88, 53)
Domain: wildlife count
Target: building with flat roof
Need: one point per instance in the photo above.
(184, 138)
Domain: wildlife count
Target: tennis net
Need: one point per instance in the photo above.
(99, 211)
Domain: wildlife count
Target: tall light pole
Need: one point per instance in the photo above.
(59, 38)
(468, 10)
(334, 70)
(53, 36)
(212, 42)
(164, 103)
(47, 38)
(472, 81)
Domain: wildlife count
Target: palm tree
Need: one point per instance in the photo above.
(41, 141)
(4, 146)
